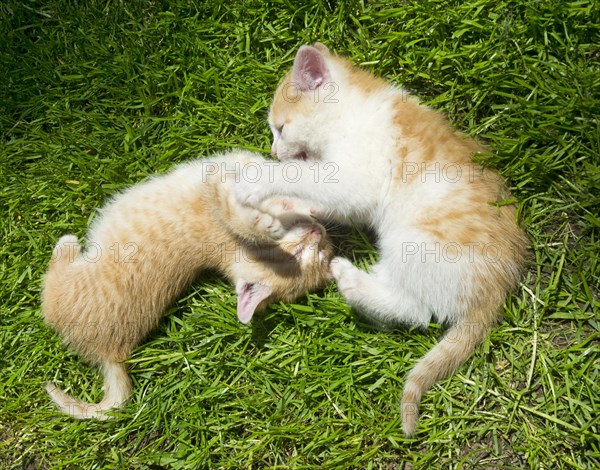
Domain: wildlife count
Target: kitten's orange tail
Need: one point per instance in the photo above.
(117, 389)
(443, 359)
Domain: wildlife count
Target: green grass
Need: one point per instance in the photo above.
(95, 96)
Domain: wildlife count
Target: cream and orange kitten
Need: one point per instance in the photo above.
(150, 242)
(365, 151)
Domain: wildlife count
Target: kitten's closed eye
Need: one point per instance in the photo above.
(279, 130)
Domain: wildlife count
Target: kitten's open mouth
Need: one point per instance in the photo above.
(311, 240)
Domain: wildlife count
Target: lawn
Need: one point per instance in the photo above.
(95, 96)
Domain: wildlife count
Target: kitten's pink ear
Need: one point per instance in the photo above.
(310, 69)
(250, 294)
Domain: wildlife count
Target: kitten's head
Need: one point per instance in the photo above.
(319, 91)
(296, 264)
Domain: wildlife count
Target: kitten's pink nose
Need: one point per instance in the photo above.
(316, 232)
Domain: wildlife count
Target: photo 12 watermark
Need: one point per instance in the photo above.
(270, 171)
(452, 252)
(327, 93)
(446, 172)
(95, 252)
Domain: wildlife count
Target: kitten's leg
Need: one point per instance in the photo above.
(373, 295)
(288, 206)
(344, 194)
(291, 210)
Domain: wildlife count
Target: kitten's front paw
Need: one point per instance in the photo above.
(347, 277)
(249, 193)
(268, 225)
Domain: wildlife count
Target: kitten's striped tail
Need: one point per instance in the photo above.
(117, 389)
(443, 359)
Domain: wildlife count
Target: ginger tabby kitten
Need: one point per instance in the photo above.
(150, 242)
